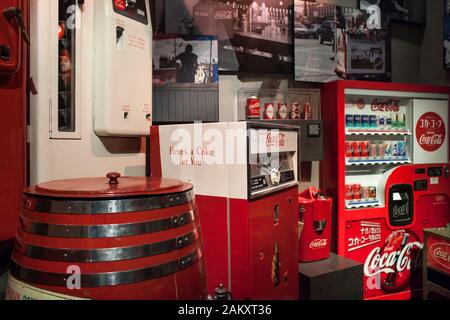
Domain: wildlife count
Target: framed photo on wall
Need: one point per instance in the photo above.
(253, 35)
(446, 34)
(334, 42)
(184, 59)
(411, 11)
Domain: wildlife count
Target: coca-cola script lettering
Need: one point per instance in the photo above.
(441, 253)
(386, 106)
(400, 210)
(395, 261)
(224, 15)
(318, 244)
(436, 139)
(276, 140)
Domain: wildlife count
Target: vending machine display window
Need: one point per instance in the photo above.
(380, 135)
(64, 58)
(67, 35)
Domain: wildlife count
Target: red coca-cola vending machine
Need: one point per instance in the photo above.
(387, 168)
(13, 104)
(245, 177)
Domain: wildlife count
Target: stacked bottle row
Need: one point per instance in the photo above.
(376, 150)
(393, 121)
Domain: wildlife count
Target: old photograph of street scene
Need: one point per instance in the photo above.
(333, 42)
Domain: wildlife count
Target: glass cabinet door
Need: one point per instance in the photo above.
(66, 42)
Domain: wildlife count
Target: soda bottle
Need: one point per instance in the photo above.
(391, 278)
(276, 267)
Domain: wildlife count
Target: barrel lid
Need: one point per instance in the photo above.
(112, 186)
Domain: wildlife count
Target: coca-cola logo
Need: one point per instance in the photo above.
(390, 262)
(391, 105)
(399, 211)
(120, 4)
(275, 140)
(254, 105)
(441, 253)
(224, 15)
(318, 244)
(360, 104)
(436, 139)
(430, 131)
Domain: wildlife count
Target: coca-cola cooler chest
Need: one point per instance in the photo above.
(315, 219)
(436, 268)
(13, 92)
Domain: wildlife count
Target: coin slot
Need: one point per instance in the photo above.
(5, 53)
(276, 214)
(120, 38)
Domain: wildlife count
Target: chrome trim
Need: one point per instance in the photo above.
(107, 255)
(105, 279)
(106, 231)
(105, 206)
(257, 194)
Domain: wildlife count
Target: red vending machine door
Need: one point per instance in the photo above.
(13, 102)
(12, 26)
(274, 247)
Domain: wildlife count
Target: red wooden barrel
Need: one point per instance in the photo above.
(115, 238)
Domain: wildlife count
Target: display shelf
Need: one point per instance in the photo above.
(356, 204)
(376, 161)
(363, 132)
(276, 96)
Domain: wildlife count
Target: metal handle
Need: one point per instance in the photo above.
(113, 178)
(16, 13)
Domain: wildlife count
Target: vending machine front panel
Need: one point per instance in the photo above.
(135, 10)
(272, 160)
(273, 231)
(401, 205)
(13, 102)
(122, 68)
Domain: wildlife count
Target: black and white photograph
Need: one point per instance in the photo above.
(254, 35)
(314, 34)
(447, 35)
(185, 60)
(412, 11)
(334, 42)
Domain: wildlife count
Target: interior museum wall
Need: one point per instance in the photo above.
(418, 52)
(432, 50)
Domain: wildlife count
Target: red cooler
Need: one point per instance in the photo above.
(315, 216)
